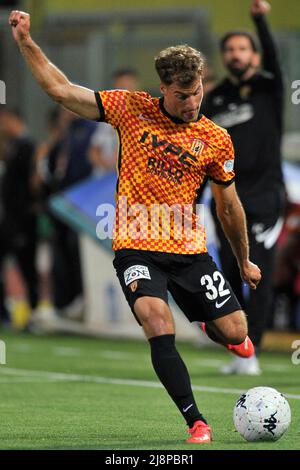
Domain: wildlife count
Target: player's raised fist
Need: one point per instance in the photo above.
(260, 7)
(251, 274)
(20, 22)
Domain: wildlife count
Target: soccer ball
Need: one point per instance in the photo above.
(261, 414)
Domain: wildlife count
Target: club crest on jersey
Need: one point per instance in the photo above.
(197, 146)
(228, 166)
(133, 286)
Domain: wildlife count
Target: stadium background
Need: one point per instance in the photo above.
(55, 387)
(88, 41)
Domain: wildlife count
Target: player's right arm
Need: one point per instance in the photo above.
(76, 98)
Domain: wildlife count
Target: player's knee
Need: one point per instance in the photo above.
(237, 333)
(153, 315)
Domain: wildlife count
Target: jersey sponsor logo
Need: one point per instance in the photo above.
(136, 272)
(228, 166)
(164, 169)
(166, 147)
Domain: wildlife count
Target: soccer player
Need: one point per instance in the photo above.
(249, 104)
(166, 149)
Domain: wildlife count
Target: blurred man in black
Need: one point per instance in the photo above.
(249, 104)
(18, 221)
(62, 161)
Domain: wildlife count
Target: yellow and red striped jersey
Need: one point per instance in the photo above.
(162, 163)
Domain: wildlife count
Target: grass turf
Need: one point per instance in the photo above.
(69, 402)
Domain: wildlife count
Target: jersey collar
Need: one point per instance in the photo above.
(173, 118)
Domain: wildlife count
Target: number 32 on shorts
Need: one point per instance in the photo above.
(214, 285)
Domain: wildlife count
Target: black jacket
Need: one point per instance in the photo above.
(15, 192)
(252, 113)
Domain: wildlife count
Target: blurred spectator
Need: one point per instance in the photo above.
(103, 151)
(62, 161)
(18, 218)
(70, 166)
(46, 177)
(249, 103)
(287, 272)
(209, 79)
(126, 79)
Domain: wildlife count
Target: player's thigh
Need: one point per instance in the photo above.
(139, 278)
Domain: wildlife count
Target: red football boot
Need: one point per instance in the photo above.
(200, 433)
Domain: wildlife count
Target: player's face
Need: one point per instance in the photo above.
(183, 103)
(239, 57)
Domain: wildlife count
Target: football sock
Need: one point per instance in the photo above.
(174, 376)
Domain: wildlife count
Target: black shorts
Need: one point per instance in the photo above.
(194, 281)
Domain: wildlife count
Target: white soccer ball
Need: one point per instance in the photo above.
(261, 414)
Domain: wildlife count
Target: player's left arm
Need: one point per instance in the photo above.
(233, 220)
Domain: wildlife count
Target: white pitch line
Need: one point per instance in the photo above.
(60, 376)
(67, 351)
(112, 355)
(220, 362)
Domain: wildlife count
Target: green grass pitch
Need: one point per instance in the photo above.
(63, 392)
